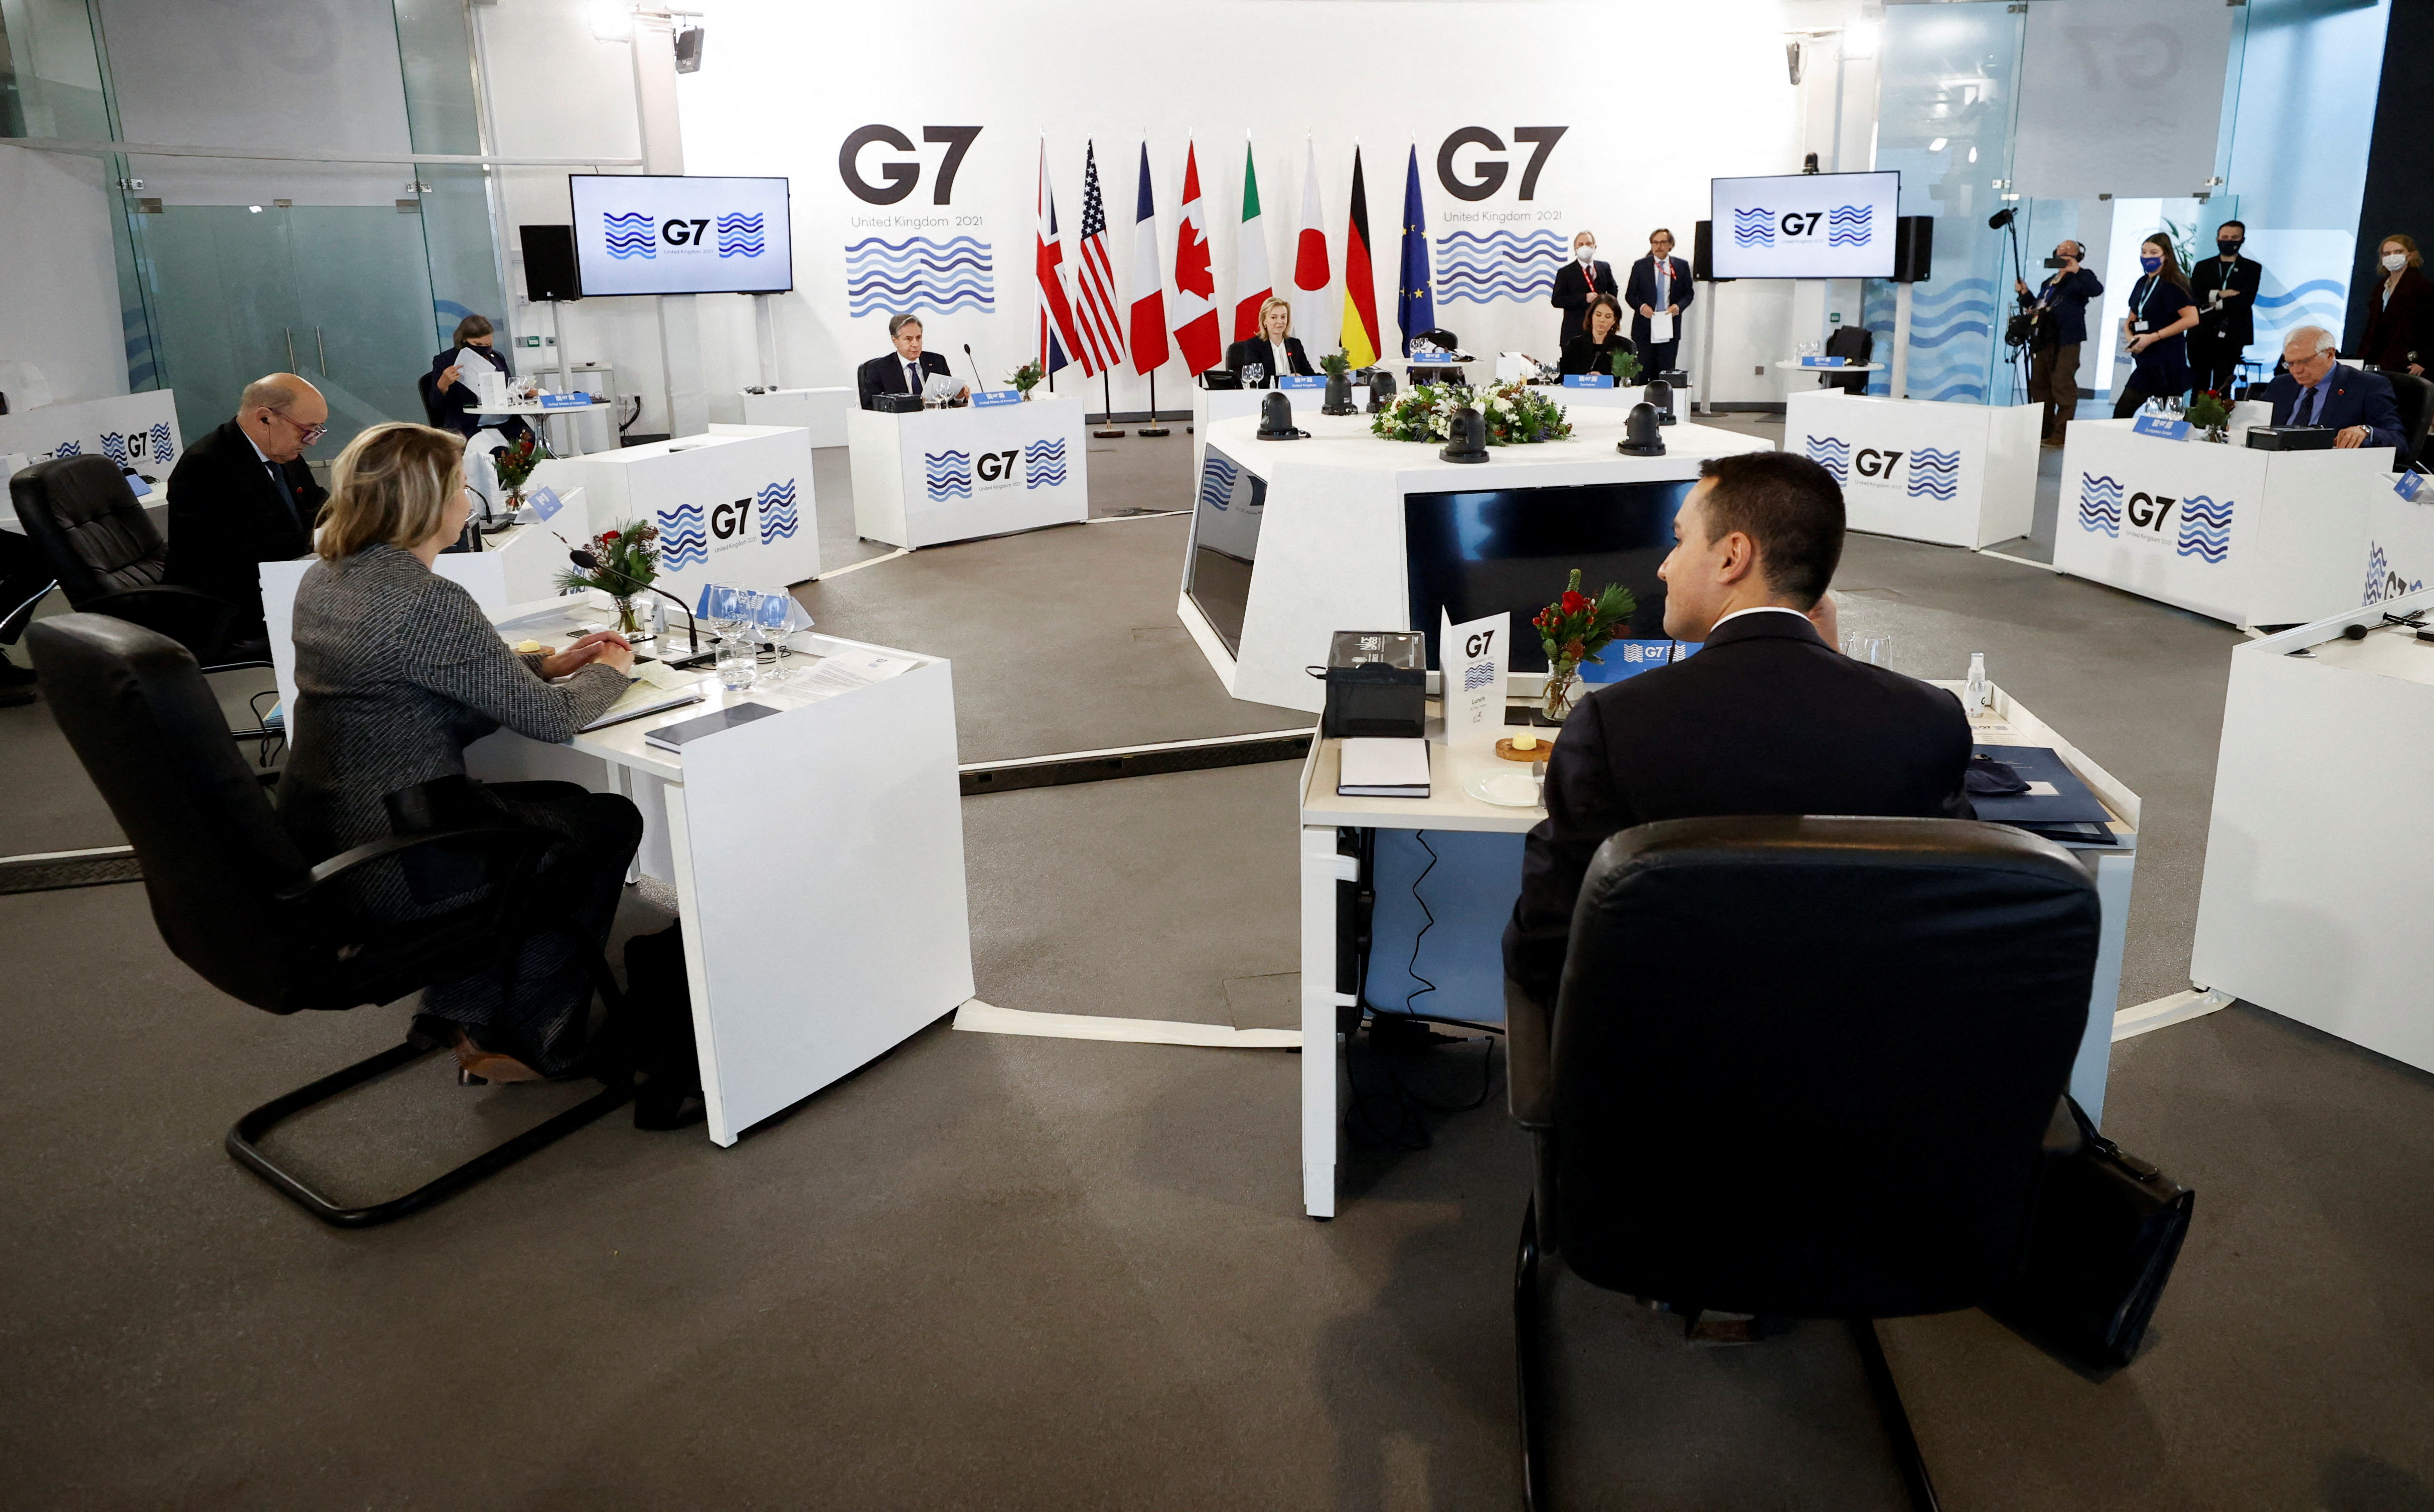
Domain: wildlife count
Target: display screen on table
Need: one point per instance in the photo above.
(651, 233)
(1806, 225)
(1224, 539)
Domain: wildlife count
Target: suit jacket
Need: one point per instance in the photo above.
(1581, 355)
(1257, 350)
(1766, 719)
(227, 517)
(1574, 291)
(2403, 331)
(2064, 296)
(886, 376)
(459, 411)
(2355, 397)
(2236, 319)
(1643, 291)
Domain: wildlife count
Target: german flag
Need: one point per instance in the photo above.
(1360, 333)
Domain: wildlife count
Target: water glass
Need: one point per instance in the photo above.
(774, 624)
(736, 660)
(1254, 374)
(1868, 649)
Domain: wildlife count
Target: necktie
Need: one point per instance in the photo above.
(2314, 405)
(286, 495)
(912, 377)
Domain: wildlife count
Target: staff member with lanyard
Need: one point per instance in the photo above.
(2161, 315)
(1660, 284)
(2226, 289)
(2060, 309)
(1577, 283)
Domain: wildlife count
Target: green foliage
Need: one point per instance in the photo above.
(2208, 411)
(628, 559)
(1626, 368)
(1335, 362)
(1027, 377)
(1517, 415)
(1575, 628)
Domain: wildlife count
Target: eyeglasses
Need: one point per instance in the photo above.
(308, 433)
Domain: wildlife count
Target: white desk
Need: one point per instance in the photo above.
(1210, 406)
(800, 968)
(2311, 907)
(734, 506)
(2399, 548)
(2251, 537)
(573, 443)
(1327, 862)
(1956, 475)
(134, 430)
(930, 476)
(1313, 531)
(822, 412)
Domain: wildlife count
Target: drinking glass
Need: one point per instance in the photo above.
(1254, 374)
(737, 662)
(775, 612)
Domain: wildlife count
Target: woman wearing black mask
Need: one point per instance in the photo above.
(2225, 287)
(2161, 314)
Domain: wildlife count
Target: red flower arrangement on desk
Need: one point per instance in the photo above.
(1574, 629)
(629, 558)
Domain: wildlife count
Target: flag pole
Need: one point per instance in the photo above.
(1153, 429)
(1107, 429)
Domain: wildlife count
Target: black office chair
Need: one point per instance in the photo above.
(427, 387)
(235, 902)
(2414, 398)
(1801, 1068)
(1856, 343)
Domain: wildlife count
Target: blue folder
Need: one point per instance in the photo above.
(2071, 802)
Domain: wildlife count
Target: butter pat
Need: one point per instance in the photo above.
(528, 645)
(1527, 739)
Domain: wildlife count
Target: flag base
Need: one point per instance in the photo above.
(1153, 430)
(1115, 433)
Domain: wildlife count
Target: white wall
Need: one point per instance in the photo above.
(59, 290)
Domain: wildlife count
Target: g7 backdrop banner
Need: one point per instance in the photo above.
(916, 179)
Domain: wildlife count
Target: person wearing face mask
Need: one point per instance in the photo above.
(2059, 307)
(1660, 284)
(2400, 310)
(1578, 282)
(2161, 315)
(2225, 286)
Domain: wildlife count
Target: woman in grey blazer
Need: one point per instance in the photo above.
(397, 670)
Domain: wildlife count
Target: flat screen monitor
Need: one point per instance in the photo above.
(1510, 550)
(1806, 225)
(1224, 539)
(643, 233)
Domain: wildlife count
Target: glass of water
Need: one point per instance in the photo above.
(773, 621)
(1254, 374)
(737, 660)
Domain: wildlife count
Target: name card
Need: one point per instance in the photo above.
(1588, 380)
(572, 401)
(991, 398)
(1296, 380)
(1474, 656)
(2162, 428)
(1824, 361)
(2409, 485)
(544, 502)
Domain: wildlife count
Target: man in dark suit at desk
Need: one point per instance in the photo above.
(1660, 284)
(909, 370)
(2318, 390)
(1767, 718)
(242, 496)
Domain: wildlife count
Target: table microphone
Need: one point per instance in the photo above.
(590, 562)
(976, 368)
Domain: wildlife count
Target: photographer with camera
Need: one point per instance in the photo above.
(2057, 320)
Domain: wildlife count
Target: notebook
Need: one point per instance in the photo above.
(642, 698)
(1383, 766)
(672, 737)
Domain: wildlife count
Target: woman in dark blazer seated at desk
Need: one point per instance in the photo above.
(1594, 352)
(451, 391)
(396, 671)
(1275, 351)
(2161, 312)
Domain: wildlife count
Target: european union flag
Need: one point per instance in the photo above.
(1416, 305)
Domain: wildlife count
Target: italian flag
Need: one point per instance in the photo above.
(1250, 255)
(1360, 337)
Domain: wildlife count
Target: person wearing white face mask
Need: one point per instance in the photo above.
(2400, 310)
(1578, 282)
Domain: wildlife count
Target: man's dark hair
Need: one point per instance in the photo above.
(2228, 224)
(1789, 507)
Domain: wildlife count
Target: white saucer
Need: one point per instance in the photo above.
(1506, 790)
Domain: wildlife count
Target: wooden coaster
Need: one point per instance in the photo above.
(1536, 753)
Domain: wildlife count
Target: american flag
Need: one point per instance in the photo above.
(1095, 317)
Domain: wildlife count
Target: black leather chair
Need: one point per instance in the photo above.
(427, 387)
(235, 902)
(2414, 398)
(1801, 1068)
(1856, 343)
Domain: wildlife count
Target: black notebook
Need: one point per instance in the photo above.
(672, 737)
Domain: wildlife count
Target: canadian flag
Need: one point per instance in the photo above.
(1250, 255)
(1196, 335)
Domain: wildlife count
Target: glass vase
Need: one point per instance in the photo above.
(629, 624)
(1563, 681)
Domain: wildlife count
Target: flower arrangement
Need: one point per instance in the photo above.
(1517, 415)
(1026, 378)
(515, 465)
(628, 558)
(1335, 362)
(1626, 368)
(2209, 413)
(1574, 629)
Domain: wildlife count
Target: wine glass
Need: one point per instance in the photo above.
(1254, 374)
(773, 619)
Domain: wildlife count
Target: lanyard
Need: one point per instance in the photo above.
(2148, 283)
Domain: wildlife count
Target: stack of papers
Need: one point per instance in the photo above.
(1374, 768)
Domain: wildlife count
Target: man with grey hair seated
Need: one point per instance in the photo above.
(2318, 390)
(242, 496)
(909, 370)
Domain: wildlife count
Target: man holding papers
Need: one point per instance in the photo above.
(1659, 291)
(911, 370)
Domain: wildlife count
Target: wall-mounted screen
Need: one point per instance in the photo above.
(638, 233)
(1509, 549)
(1807, 225)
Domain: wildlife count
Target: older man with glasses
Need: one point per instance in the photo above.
(242, 496)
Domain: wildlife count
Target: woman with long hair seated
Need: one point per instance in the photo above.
(1599, 341)
(396, 671)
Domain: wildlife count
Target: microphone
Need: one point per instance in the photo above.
(2353, 632)
(590, 562)
(982, 383)
(2002, 218)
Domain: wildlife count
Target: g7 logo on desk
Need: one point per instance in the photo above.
(1870, 463)
(997, 467)
(727, 520)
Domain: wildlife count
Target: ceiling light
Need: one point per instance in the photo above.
(612, 19)
(1860, 39)
(1937, 145)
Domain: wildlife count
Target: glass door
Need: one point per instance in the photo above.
(223, 305)
(363, 323)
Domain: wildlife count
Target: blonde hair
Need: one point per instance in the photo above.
(1272, 303)
(391, 486)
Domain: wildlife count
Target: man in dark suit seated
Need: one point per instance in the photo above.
(242, 496)
(907, 371)
(1767, 718)
(2320, 390)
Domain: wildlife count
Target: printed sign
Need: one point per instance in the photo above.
(544, 502)
(1298, 380)
(2409, 485)
(573, 401)
(1588, 380)
(1472, 658)
(1824, 361)
(991, 398)
(2199, 530)
(2162, 428)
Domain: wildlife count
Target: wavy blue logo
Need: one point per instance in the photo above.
(683, 541)
(777, 519)
(2099, 505)
(948, 474)
(1934, 474)
(1754, 227)
(113, 446)
(740, 236)
(68, 449)
(919, 273)
(1831, 452)
(2381, 581)
(163, 449)
(1217, 478)
(1485, 266)
(1850, 225)
(1043, 464)
(2205, 529)
(630, 234)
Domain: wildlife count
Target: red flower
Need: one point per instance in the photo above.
(1574, 603)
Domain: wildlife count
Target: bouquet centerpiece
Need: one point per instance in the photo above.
(1574, 629)
(629, 558)
(515, 466)
(2209, 413)
(1026, 378)
(1626, 368)
(1517, 415)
